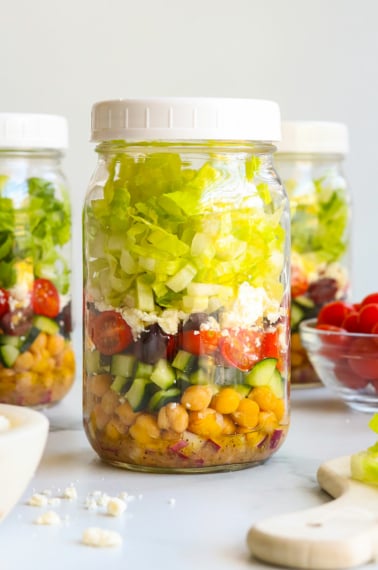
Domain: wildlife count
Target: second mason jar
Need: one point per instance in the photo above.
(310, 161)
(186, 293)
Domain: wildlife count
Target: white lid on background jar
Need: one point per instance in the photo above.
(175, 118)
(33, 131)
(314, 137)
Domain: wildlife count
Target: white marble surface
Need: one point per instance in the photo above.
(186, 522)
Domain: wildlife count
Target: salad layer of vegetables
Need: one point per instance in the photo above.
(186, 310)
(319, 206)
(37, 364)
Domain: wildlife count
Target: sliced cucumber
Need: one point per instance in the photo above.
(262, 372)
(28, 341)
(10, 340)
(200, 377)
(143, 370)
(138, 394)
(163, 374)
(45, 324)
(8, 354)
(163, 397)
(276, 384)
(265, 373)
(242, 389)
(120, 384)
(296, 315)
(92, 361)
(123, 365)
(185, 361)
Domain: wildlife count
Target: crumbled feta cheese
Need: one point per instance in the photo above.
(99, 537)
(90, 504)
(4, 424)
(38, 500)
(70, 493)
(115, 506)
(48, 518)
(249, 308)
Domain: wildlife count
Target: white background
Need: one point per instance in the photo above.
(318, 59)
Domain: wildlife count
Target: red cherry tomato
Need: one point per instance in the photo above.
(372, 298)
(348, 377)
(45, 298)
(200, 342)
(4, 302)
(334, 313)
(351, 322)
(111, 333)
(335, 343)
(363, 358)
(241, 349)
(299, 282)
(368, 317)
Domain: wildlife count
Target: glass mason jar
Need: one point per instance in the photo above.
(310, 163)
(37, 364)
(186, 300)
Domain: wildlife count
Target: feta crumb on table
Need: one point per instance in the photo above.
(38, 500)
(48, 518)
(115, 506)
(99, 537)
(4, 424)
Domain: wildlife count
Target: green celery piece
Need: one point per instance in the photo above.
(252, 166)
(373, 424)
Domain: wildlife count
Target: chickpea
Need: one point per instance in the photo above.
(207, 423)
(144, 429)
(264, 397)
(126, 414)
(99, 418)
(196, 398)
(55, 344)
(109, 402)
(226, 401)
(173, 416)
(24, 361)
(247, 414)
(39, 343)
(99, 384)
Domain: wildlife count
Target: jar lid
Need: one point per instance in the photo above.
(33, 131)
(184, 119)
(314, 137)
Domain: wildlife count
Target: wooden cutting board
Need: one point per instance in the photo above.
(340, 534)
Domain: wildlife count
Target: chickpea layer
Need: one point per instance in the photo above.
(41, 375)
(238, 428)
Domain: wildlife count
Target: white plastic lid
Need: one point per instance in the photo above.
(186, 119)
(33, 131)
(314, 137)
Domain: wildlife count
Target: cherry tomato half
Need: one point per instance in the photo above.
(363, 358)
(348, 377)
(351, 323)
(372, 298)
(334, 313)
(200, 342)
(111, 333)
(368, 317)
(241, 349)
(4, 302)
(45, 298)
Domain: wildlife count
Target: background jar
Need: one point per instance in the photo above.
(36, 358)
(310, 162)
(186, 299)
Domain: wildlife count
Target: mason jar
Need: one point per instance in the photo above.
(37, 363)
(186, 294)
(310, 161)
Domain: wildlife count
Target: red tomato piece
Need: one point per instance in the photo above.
(4, 302)
(299, 282)
(334, 313)
(111, 333)
(241, 349)
(368, 317)
(45, 298)
(363, 358)
(200, 342)
(372, 298)
(348, 377)
(351, 322)
(270, 347)
(374, 330)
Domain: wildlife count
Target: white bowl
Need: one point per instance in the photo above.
(21, 448)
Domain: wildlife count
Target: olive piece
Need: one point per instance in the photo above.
(323, 290)
(18, 322)
(195, 321)
(152, 345)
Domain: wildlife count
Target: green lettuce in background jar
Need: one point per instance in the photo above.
(310, 163)
(186, 292)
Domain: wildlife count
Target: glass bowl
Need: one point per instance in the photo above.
(345, 362)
